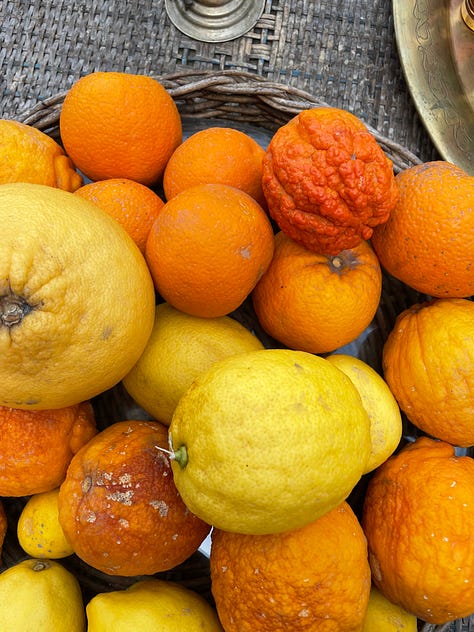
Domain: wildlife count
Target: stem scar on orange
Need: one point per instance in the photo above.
(327, 181)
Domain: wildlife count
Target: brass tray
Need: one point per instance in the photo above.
(436, 50)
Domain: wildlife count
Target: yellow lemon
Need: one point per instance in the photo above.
(380, 404)
(267, 441)
(384, 616)
(76, 298)
(151, 604)
(40, 595)
(180, 348)
(39, 531)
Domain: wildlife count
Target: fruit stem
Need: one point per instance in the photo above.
(40, 565)
(181, 456)
(13, 309)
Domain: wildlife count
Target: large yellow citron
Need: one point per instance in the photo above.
(77, 301)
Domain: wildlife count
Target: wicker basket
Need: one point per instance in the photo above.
(258, 106)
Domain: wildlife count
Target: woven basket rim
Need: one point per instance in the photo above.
(229, 95)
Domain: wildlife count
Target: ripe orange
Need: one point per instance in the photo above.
(207, 249)
(317, 303)
(218, 155)
(429, 239)
(419, 524)
(428, 362)
(133, 205)
(120, 125)
(119, 507)
(327, 181)
(29, 155)
(38, 445)
(313, 578)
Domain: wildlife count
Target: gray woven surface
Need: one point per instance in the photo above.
(342, 51)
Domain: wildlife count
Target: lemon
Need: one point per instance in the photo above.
(77, 300)
(39, 531)
(267, 441)
(181, 347)
(380, 404)
(151, 604)
(384, 616)
(40, 595)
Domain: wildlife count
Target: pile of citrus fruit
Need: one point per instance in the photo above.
(216, 282)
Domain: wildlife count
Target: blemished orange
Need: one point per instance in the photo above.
(133, 205)
(119, 507)
(313, 578)
(120, 125)
(29, 155)
(217, 155)
(419, 525)
(429, 239)
(327, 181)
(38, 445)
(317, 303)
(208, 248)
(428, 363)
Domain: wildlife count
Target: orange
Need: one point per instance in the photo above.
(29, 155)
(428, 363)
(207, 249)
(419, 524)
(120, 125)
(327, 181)
(38, 445)
(77, 301)
(429, 239)
(218, 155)
(317, 303)
(133, 205)
(119, 507)
(313, 578)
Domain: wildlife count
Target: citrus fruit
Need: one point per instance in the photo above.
(429, 239)
(267, 441)
(38, 445)
(40, 595)
(151, 604)
(217, 155)
(419, 525)
(380, 404)
(180, 348)
(119, 507)
(38, 529)
(66, 269)
(134, 205)
(317, 303)
(313, 578)
(428, 363)
(327, 181)
(384, 616)
(120, 125)
(29, 155)
(207, 249)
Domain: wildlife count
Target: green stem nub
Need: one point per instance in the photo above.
(181, 456)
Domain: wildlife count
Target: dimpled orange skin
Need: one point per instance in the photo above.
(313, 578)
(428, 242)
(119, 507)
(428, 363)
(317, 303)
(327, 181)
(38, 445)
(419, 524)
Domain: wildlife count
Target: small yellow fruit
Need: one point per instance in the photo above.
(180, 348)
(267, 441)
(40, 595)
(39, 531)
(380, 404)
(151, 604)
(384, 616)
